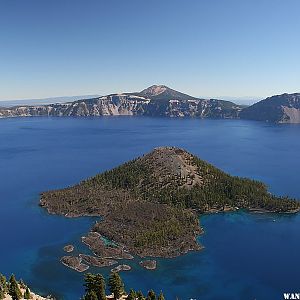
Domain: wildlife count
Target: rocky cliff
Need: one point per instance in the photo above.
(277, 109)
(158, 100)
(161, 101)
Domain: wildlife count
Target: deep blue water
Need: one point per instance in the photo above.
(246, 256)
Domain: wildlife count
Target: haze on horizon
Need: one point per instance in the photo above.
(212, 48)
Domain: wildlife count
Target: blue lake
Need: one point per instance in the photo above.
(246, 256)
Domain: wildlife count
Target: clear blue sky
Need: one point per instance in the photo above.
(202, 47)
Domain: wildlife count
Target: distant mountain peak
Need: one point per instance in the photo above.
(155, 90)
(162, 92)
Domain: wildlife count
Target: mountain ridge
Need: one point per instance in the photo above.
(162, 101)
(284, 108)
(157, 100)
(162, 92)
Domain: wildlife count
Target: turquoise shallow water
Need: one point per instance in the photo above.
(246, 256)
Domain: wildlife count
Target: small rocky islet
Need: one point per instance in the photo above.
(74, 263)
(149, 264)
(150, 206)
(69, 248)
(104, 255)
(121, 268)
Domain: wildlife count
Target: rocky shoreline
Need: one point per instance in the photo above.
(97, 245)
(104, 254)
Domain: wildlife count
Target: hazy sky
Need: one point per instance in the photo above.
(202, 47)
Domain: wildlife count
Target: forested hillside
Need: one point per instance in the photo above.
(150, 204)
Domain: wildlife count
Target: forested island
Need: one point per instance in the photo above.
(150, 205)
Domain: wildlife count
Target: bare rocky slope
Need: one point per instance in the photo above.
(277, 109)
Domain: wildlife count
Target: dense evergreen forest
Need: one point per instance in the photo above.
(153, 182)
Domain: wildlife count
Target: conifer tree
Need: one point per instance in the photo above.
(91, 295)
(116, 285)
(22, 284)
(94, 284)
(132, 295)
(161, 296)
(14, 290)
(89, 282)
(1, 293)
(27, 294)
(140, 295)
(99, 287)
(151, 295)
(3, 284)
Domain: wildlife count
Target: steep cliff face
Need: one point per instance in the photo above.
(103, 106)
(277, 109)
(161, 101)
(154, 101)
(32, 111)
(112, 105)
(193, 108)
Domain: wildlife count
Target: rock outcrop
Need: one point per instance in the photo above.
(148, 264)
(277, 109)
(74, 263)
(69, 248)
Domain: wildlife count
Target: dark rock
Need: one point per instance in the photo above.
(74, 263)
(97, 261)
(148, 264)
(121, 268)
(96, 244)
(69, 248)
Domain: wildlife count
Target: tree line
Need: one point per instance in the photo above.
(13, 288)
(95, 289)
